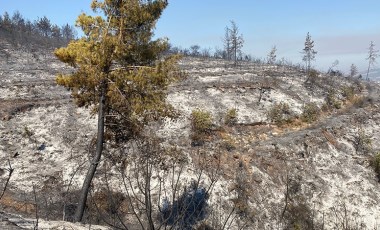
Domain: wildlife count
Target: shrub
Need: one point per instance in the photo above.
(243, 186)
(27, 132)
(297, 212)
(337, 73)
(375, 163)
(201, 121)
(359, 85)
(362, 142)
(348, 92)
(310, 112)
(230, 117)
(201, 124)
(299, 216)
(346, 218)
(331, 101)
(228, 144)
(106, 206)
(280, 113)
(359, 101)
(312, 77)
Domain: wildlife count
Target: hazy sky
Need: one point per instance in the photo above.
(341, 29)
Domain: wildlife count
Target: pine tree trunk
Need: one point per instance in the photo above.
(235, 53)
(148, 198)
(94, 164)
(369, 66)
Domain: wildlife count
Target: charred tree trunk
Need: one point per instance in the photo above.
(95, 161)
(148, 198)
(369, 67)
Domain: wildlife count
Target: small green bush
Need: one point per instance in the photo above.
(331, 101)
(362, 142)
(27, 132)
(201, 121)
(280, 113)
(230, 117)
(310, 112)
(348, 92)
(201, 125)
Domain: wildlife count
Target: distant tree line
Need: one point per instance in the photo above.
(232, 48)
(232, 51)
(206, 52)
(21, 31)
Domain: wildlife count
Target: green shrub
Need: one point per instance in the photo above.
(201, 121)
(362, 142)
(201, 125)
(230, 117)
(27, 132)
(310, 112)
(348, 92)
(331, 101)
(280, 113)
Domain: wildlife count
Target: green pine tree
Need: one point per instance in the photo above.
(119, 72)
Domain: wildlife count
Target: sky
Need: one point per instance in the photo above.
(341, 29)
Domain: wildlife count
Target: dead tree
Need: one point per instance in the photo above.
(10, 171)
(372, 55)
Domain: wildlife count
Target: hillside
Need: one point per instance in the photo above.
(271, 173)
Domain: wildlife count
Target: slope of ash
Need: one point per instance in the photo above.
(268, 172)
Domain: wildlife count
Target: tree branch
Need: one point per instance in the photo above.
(10, 171)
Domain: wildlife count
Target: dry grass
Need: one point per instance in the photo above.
(9, 202)
(330, 138)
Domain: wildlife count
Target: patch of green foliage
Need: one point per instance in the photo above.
(331, 101)
(27, 132)
(201, 125)
(310, 112)
(280, 114)
(230, 117)
(348, 92)
(362, 142)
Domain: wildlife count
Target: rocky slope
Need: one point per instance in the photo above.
(268, 172)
